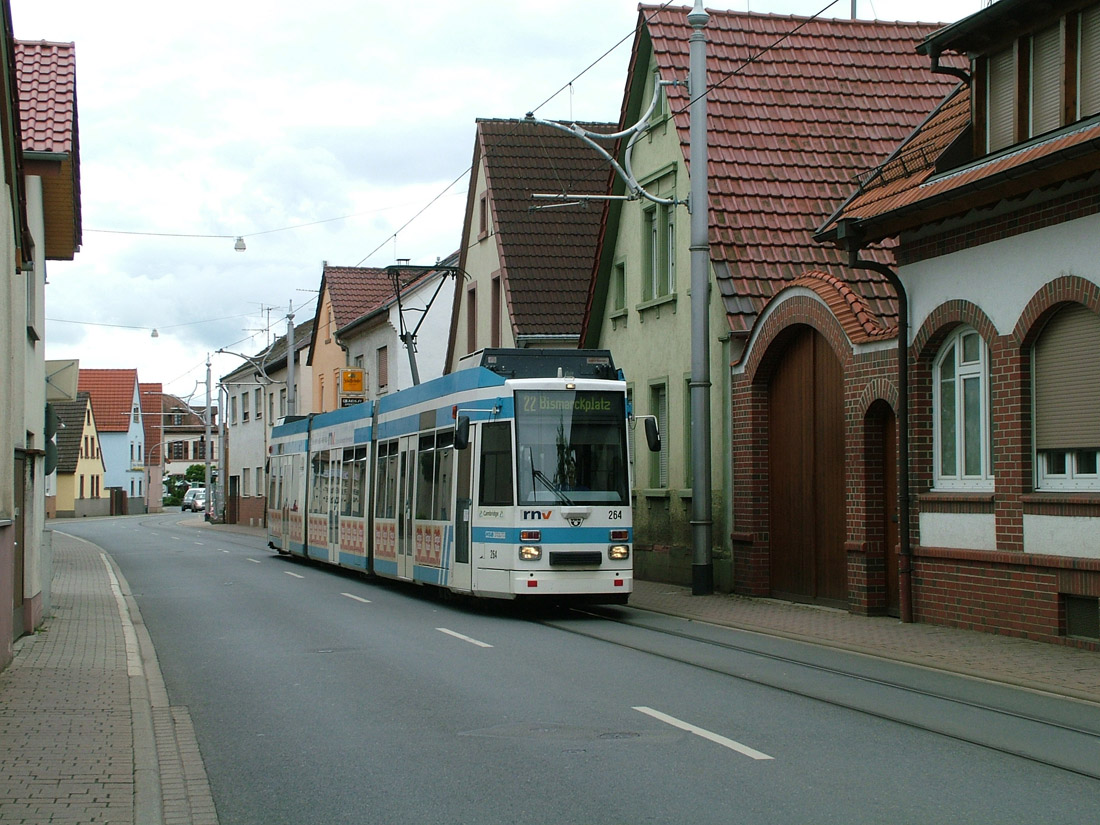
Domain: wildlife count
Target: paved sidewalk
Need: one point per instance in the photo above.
(86, 731)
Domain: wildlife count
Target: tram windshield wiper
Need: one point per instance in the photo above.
(553, 488)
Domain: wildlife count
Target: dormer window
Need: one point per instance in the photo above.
(1040, 82)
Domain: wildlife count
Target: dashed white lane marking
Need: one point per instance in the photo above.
(357, 598)
(224, 551)
(706, 734)
(295, 575)
(463, 638)
(255, 561)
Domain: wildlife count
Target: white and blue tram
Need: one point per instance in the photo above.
(508, 478)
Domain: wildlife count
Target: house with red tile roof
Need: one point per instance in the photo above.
(40, 160)
(361, 316)
(993, 205)
(800, 347)
(116, 403)
(526, 263)
(153, 422)
(80, 488)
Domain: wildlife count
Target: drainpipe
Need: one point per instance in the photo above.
(905, 549)
(702, 561)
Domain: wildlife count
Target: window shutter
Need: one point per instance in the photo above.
(1067, 381)
(1088, 64)
(1001, 80)
(1046, 81)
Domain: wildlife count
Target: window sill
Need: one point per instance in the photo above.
(655, 305)
(655, 492)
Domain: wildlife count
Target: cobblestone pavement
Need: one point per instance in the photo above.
(86, 732)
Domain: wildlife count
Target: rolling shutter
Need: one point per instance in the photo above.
(1088, 64)
(1067, 381)
(1046, 81)
(1001, 97)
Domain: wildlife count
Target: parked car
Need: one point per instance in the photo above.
(194, 500)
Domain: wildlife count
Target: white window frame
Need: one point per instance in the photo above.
(962, 370)
(1073, 478)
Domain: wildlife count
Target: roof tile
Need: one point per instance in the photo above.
(789, 132)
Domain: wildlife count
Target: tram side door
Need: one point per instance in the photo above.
(406, 478)
(461, 577)
(335, 493)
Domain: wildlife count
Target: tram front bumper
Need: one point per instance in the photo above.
(572, 582)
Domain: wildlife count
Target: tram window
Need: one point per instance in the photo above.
(320, 496)
(382, 480)
(425, 478)
(496, 464)
(391, 483)
(444, 472)
(359, 483)
(345, 482)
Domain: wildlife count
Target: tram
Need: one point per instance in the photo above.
(508, 478)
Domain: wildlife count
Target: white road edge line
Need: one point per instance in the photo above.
(134, 666)
(706, 734)
(295, 575)
(357, 598)
(256, 561)
(463, 638)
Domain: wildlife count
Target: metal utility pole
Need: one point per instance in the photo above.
(702, 563)
(291, 357)
(206, 446)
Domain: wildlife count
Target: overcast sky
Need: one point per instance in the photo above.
(318, 131)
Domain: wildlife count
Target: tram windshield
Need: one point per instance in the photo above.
(572, 447)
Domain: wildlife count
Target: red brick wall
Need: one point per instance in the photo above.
(870, 392)
(1005, 590)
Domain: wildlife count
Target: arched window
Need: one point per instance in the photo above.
(1067, 401)
(960, 398)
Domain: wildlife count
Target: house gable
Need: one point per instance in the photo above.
(527, 268)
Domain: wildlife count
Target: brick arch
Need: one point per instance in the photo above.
(790, 313)
(1053, 296)
(878, 389)
(942, 320)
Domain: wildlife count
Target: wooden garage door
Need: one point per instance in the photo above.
(806, 473)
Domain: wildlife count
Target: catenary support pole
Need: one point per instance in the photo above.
(702, 563)
(206, 447)
(291, 357)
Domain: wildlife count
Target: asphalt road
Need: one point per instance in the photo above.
(323, 697)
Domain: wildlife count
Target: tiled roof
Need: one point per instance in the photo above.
(47, 95)
(112, 393)
(49, 127)
(909, 189)
(546, 254)
(71, 415)
(824, 101)
(355, 291)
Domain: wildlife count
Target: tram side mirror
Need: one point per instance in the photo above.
(462, 432)
(652, 435)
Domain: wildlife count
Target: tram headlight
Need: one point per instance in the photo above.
(618, 552)
(530, 552)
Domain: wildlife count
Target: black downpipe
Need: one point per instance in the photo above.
(905, 549)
